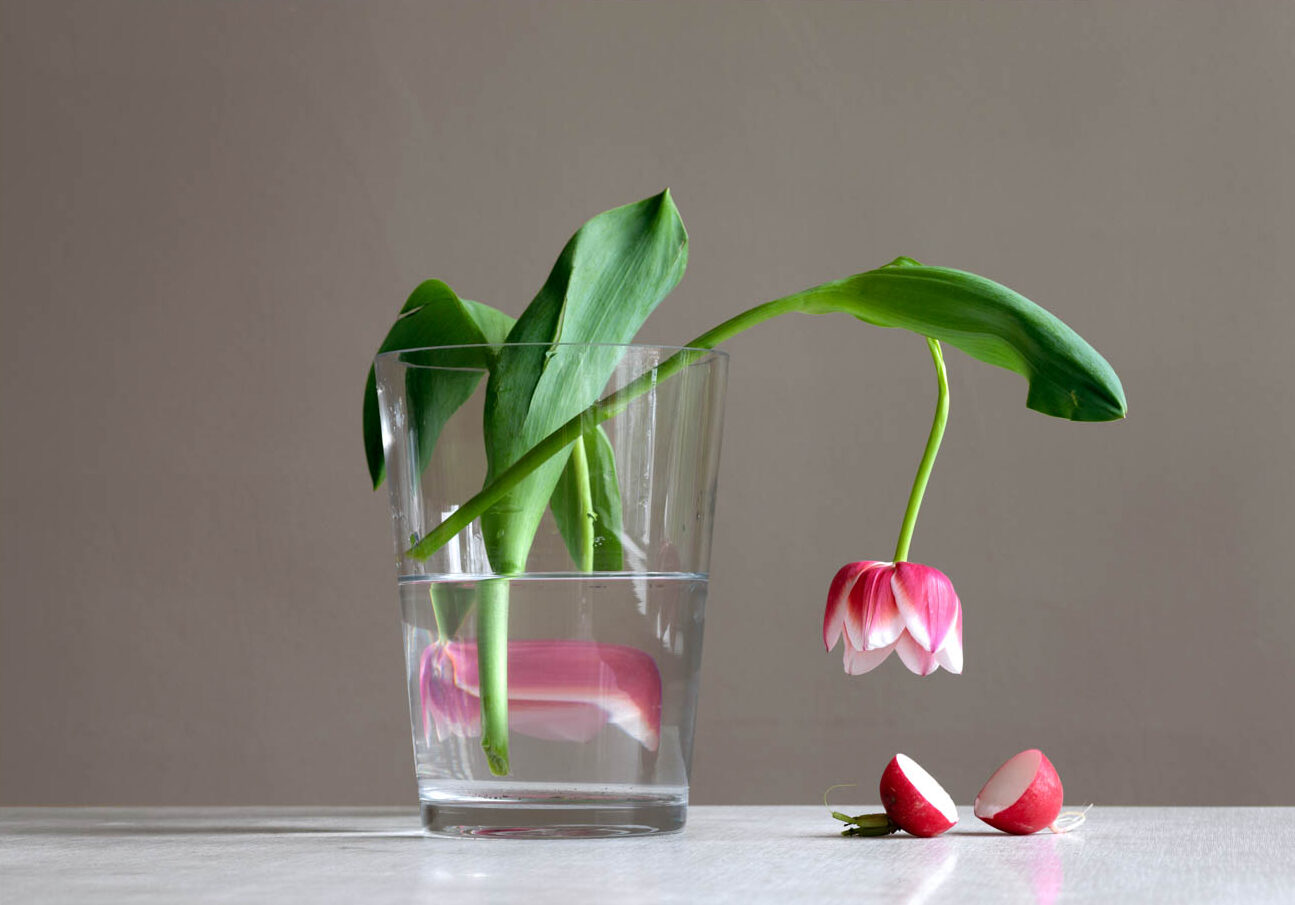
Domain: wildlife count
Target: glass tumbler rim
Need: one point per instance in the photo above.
(394, 354)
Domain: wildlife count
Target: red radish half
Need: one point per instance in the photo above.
(913, 800)
(1023, 796)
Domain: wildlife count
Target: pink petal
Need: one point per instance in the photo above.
(915, 657)
(857, 662)
(927, 601)
(950, 656)
(447, 708)
(556, 721)
(837, 596)
(864, 603)
(881, 623)
(564, 690)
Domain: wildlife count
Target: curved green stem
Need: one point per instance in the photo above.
(600, 411)
(928, 456)
(1067, 377)
(585, 527)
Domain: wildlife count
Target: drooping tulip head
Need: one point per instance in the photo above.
(904, 607)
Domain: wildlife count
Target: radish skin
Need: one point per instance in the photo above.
(913, 800)
(1023, 796)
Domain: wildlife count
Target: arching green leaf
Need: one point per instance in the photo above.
(988, 321)
(433, 316)
(608, 279)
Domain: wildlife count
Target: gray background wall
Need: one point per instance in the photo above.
(211, 212)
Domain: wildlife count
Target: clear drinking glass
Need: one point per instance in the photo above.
(603, 652)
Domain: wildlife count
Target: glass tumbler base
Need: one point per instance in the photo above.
(552, 820)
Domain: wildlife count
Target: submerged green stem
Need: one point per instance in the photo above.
(928, 455)
(492, 671)
(448, 609)
(443, 632)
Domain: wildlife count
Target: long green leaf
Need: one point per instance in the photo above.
(433, 316)
(608, 279)
(988, 321)
(587, 506)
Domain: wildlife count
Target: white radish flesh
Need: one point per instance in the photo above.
(913, 800)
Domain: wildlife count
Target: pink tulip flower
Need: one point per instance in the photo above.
(904, 607)
(557, 690)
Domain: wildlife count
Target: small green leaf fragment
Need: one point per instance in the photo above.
(864, 821)
(870, 831)
(864, 824)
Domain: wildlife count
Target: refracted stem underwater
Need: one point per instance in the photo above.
(546, 450)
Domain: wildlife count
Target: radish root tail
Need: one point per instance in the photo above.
(1070, 820)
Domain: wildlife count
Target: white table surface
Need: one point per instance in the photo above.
(726, 854)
